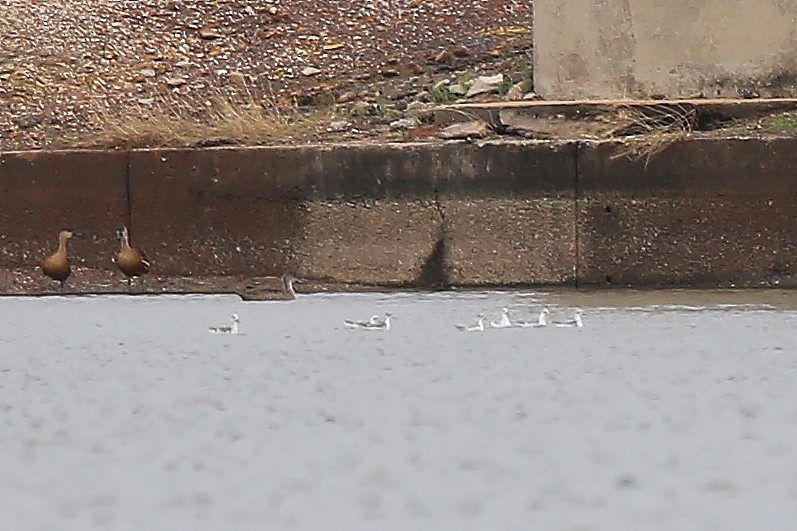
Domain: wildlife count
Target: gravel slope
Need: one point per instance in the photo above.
(66, 64)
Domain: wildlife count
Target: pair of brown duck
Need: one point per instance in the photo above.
(131, 261)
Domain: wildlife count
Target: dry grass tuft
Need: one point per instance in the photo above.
(649, 130)
(190, 121)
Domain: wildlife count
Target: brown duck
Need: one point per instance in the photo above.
(257, 292)
(56, 266)
(130, 260)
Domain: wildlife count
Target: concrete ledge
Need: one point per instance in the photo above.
(701, 212)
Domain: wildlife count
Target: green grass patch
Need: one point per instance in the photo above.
(780, 124)
(441, 95)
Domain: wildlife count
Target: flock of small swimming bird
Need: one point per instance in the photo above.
(376, 323)
(133, 263)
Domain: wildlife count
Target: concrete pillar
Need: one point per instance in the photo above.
(588, 49)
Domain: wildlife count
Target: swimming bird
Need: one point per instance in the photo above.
(542, 320)
(478, 327)
(375, 323)
(503, 322)
(232, 329)
(576, 321)
(374, 320)
(383, 324)
(56, 266)
(131, 261)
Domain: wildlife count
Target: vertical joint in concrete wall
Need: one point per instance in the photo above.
(434, 272)
(576, 194)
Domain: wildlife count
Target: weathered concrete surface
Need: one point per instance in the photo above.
(214, 211)
(348, 215)
(509, 213)
(699, 213)
(369, 215)
(679, 48)
(368, 240)
(44, 192)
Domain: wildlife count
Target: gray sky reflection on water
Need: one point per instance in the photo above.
(668, 410)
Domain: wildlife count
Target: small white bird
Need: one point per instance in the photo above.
(541, 321)
(362, 324)
(576, 321)
(478, 327)
(503, 322)
(232, 329)
(375, 323)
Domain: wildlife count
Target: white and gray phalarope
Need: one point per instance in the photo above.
(503, 322)
(575, 322)
(374, 320)
(478, 327)
(232, 329)
(374, 323)
(542, 320)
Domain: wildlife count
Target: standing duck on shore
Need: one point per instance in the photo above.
(56, 266)
(131, 261)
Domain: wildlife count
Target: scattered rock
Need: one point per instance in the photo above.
(416, 108)
(237, 77)
(484, 85)
(338, 126)
(209, 33)
(123, 58)
(346, 97)
(531, 96)
(28, 121)
(363, 108)
(515, 93)
(460, 51)
(404, 123)
(443, 57)
(458, 89)
(310, 71)
(472, 129)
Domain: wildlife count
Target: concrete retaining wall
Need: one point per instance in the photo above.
(678, 48)
(702, 212)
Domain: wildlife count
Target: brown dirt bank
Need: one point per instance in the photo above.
(72, 72)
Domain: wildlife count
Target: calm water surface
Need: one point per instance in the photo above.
(668, 410)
